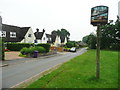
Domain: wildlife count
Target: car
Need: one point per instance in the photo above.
(73, 49)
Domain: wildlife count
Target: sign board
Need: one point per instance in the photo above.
(99, 15)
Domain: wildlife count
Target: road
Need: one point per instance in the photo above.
(14, 74)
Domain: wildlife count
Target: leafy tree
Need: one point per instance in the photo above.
(110, 35)
(62, 32)
(90, 40)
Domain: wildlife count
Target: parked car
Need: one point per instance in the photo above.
(73, 49)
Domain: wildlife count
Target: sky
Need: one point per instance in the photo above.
(72, 15)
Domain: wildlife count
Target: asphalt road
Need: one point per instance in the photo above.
(14, 74)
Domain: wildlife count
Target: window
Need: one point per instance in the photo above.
(13, 34)
(2, 33)
(44, 38)
(29, 35)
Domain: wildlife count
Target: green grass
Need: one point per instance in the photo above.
(21, 55)
(80, 73)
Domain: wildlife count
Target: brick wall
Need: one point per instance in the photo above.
(60, 49)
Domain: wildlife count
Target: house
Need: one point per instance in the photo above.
(17, 34)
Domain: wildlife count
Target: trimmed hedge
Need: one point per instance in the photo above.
(46, 46)
(31, 50)
(18, 46)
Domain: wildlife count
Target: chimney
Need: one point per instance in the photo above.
(37, 30)
(43, 30)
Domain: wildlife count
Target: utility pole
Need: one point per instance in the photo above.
(98, 53)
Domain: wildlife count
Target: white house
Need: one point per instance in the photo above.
(17, 34)
(29, 36)
(57, 41)
(42, 37)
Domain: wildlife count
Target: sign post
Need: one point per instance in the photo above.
(99, 16)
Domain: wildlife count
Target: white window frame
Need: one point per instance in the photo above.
(11, 33)
(1, 33)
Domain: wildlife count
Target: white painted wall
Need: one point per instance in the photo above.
(29, 39)
(57, 41)
(65, 41)
(44, 38)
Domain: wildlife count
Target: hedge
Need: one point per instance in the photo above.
(18, 46)
(31, 50)
(46, 46)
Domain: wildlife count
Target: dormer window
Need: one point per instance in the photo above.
(2, 33)
(13, 34)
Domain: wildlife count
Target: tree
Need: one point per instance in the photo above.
(90, 40)
(110, 35)
(62, 32)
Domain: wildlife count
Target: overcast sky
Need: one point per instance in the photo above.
(73, 15)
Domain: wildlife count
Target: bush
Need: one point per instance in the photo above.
(32, 49)
(46, 46)
(69, 44)
(18, 46)
(40, 49)
(25, 51)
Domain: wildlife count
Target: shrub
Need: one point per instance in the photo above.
(32, 49)
(18, 46)
(25, 51)
(40, 49)
(69, 44)
(46, 46)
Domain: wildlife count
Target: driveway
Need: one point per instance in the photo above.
(14, 74)
(12, 55)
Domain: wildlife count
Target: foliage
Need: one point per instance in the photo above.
(62, 33)
(31, 50)
(46, 46)
(110, 36)
(18, 46)
(80, 73)
(40, 49)
(90, 40)
(69, 44)
(25, 51)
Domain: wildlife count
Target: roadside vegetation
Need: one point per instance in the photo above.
(110, 36)
(80, 72)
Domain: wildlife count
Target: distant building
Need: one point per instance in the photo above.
(42, 37)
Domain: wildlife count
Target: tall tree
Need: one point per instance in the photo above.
(62, 33)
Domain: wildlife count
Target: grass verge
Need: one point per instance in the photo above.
(80, 72)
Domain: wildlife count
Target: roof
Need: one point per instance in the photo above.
(20, 32)
(39, 35)
(48, 35)
(23, 31)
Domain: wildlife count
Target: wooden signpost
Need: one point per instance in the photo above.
(99, 16)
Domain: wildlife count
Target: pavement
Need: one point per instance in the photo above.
(13, 58)
(16, 73)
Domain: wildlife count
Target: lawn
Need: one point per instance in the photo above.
(80, 72)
